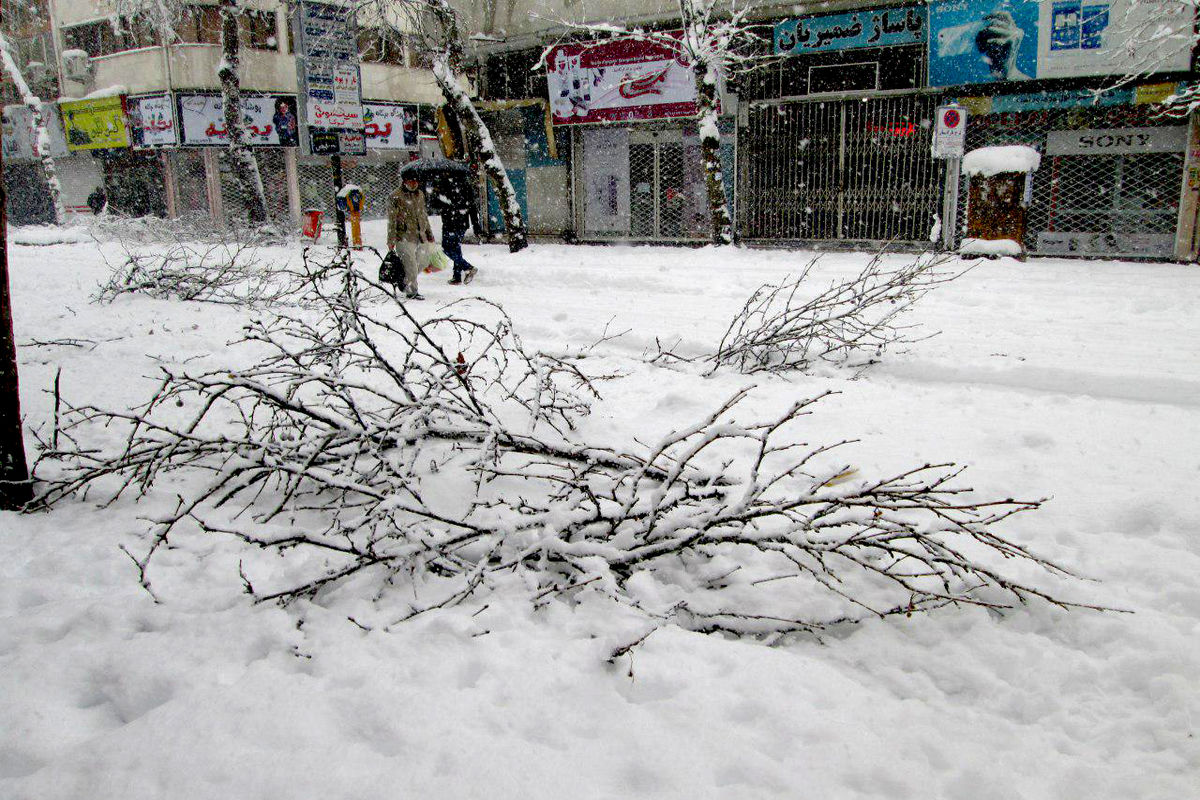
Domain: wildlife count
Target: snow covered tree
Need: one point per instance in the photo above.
(165, 17)
(1157, 36)
(245, 164)
(429, 462)
(441, 35)
(37, 110)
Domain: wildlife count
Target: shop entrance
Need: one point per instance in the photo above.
(643, 184)
(848, 170)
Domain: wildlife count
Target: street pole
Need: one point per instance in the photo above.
(950, 202)
(15, 486)
(336, 162)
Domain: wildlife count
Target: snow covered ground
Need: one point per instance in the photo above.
(1074, 380)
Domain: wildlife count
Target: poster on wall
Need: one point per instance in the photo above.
(982, 41)
(270, 120)
(390, 126)
(96, 124)
(152, 121)
(621, 80)
(1091, 38)
(985, 41)
(880, 27)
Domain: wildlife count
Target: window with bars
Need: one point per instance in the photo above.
(201, 24)
(105, 37)
(382, 46)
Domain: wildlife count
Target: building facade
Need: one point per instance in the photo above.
(828, 137)
(144, 121)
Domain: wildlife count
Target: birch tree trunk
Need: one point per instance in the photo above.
(479, 140)
(245, 164)
(35, 106)
(15, 488)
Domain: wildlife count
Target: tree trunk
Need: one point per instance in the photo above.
(710, 154)
(479, 140)
(705, 52)
(15, 487)
(34, 104)
(243, 161)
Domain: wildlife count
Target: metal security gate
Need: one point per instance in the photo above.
(1122, 204)
(643, 184)
(854, 170)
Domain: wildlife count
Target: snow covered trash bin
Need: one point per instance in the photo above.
(1001, 183)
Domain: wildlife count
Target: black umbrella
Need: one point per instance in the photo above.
(427, 170)
(448, 184)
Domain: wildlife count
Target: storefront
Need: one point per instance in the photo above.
(1111, 181)
(637, 171)
(835, 140)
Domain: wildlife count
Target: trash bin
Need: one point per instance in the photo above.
(1001, 185)
(312, 223)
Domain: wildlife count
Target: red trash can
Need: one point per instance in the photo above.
(312, 223)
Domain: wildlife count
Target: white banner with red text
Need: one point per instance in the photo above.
(626, 79)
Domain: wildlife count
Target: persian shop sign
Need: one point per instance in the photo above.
(879, 28)
(621, 80)
(97, 124)
(390, 126)
(152, 120)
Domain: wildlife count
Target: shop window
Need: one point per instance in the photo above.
(515, 76)
(257, 29)
(843, 77)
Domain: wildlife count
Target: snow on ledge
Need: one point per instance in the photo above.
(108, 91)
(987, 161)
(989, 247)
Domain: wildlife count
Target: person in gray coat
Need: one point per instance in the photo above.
(409, 235)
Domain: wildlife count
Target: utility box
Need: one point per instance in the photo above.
(998, 197)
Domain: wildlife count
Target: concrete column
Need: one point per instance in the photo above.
(170, 184)
(1187, 236)
(212, 187)
(292, 171)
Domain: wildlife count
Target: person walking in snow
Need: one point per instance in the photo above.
(453, 198)
(410, 236)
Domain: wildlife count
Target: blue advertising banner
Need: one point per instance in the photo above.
(878, 28)
(982, 41)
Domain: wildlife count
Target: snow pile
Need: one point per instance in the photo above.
(988, 161)
(48, 234)
(1084, 373)
(990, 247)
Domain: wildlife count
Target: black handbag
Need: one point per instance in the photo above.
(391, 269)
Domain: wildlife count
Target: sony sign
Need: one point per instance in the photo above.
(1117, 141)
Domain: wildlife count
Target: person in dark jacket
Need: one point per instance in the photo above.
(453, 197)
